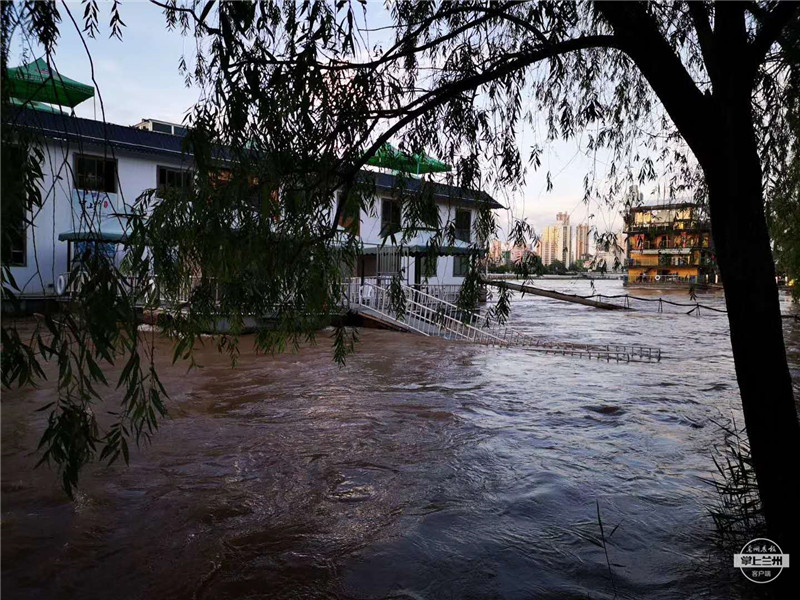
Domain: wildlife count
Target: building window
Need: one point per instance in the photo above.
(175, 179)
(460, 266)
(349, 215)
(162, 127)
(15, 250)
(96, 174)
(167, 128)
(429, 266)
(391, 217)
(463, 225)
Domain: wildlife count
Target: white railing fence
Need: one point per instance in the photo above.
(429, 315)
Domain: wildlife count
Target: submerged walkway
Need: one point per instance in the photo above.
(425, 314)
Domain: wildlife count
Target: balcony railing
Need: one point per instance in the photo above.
(681, 225)
(661, 279)
(669, 245)
(701, 278)
(672, 261)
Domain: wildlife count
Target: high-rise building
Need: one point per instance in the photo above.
(548, 243)
(564, 248)
(556, 241)
(582, 242)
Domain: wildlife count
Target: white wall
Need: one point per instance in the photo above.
(370, 235)
(47, 256)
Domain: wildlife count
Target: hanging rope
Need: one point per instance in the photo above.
(661, 301)
(694, 306)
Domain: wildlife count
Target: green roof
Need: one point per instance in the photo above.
(37, 82)
(36, 105)
(390, 157)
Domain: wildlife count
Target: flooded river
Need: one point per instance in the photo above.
(425, 469)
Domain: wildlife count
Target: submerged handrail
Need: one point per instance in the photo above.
(430, 315)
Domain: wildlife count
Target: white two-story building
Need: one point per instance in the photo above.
(94, 171)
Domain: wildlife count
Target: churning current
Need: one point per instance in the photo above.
(424, 469)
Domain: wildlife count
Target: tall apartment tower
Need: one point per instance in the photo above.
(556, 241)
(582, 242)
(565, 238)
(548, 243)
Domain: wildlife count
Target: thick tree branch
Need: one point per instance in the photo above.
(640, 38)
(698, 11)
(435, 98)
(772, 24)
(730, 35)
(427, 23)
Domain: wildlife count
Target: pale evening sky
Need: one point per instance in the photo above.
(138, 78)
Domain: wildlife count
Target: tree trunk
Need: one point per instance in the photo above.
(719, 127)
(744, 256)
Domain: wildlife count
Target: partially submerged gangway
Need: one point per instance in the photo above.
(426, 314)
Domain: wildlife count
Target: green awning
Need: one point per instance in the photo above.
(390, 157)
(93, 236)
(37, 106)
(36, 82)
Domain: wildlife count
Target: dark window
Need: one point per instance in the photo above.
(428, 266)
(460, 266)
(179, 130)
(349, 215)
(17, 246)
(173, 178)
(16, 199)
(162, 127)
(97, 174)
(391, 217)
(463, 225)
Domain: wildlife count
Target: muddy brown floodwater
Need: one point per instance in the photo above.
(424, 469)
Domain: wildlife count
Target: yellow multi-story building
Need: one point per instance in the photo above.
(582, 242)
(556, 241)
(669, 243)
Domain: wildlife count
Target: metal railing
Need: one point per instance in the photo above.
(677, 225)
(69, 284)
(432, 316)
(423, 313)
(444, 291)
(670, 245)
(146, 290)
